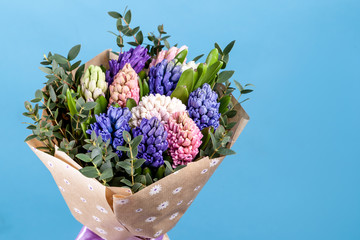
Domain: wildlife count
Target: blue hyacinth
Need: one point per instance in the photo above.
(164, 77)
(137, 58)
(154, 141)
(110, 126)
(203, 107)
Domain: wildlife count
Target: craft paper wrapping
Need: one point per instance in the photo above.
(114, 213)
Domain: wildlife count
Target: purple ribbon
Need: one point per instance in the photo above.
(87, 234)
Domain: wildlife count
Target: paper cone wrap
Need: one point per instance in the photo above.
(114, 213)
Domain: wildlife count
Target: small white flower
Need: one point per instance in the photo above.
(150, 219)
(172, 217)
(204, 171)
(214, 162)
(61, 188)
(50, 164)
(83, 200)
(138, 210)
(177, 190)
(90, 187)
(96, 218)
(197, 188)
(158, 233)
(119, 229)
(102, 231)
(155, 189)
(77, 211)
(190, 202)
(66, 181)
(101, 209)
(122, 201)
(138, 229)
(179, 202)
(163, 205)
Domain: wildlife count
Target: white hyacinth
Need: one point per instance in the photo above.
(159, 106)
(188, 65)
(93, 83)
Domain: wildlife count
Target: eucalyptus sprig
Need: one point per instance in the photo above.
(52, 125)
(124, 30)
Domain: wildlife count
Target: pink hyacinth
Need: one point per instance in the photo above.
(184, 138)
(167, 54)
(124, 86)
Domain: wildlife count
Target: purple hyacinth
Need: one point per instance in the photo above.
(154, 141)
(111, 125)
(137, 58)
(203, 107)
(164, 77)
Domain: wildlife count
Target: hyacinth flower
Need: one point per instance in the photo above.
(189, 65)
(124, 86)
(203, 107)
(154, 141)
(158, 106)
(137, 58)
(184, 138)
(93, 83)
(110, 126)
(167, 54)
(164, 77)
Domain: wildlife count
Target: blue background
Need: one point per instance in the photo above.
(296, 174)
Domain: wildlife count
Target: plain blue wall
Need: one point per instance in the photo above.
(296, 174)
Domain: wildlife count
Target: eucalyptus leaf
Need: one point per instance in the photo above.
(74, 51)
(90, 172)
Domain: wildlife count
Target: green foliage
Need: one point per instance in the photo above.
(156, 43)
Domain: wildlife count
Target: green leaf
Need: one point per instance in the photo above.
(224, 76)
(180, 57)
(181, 93)
(213, 57)
(101, 105)
(225, 151)
(209, 75)
(126, 182)
(219, 132)
(187, 79)
(130, 103)
(218, 48)
(124, 164)
(89, 105)
(126, 136)
(52, 93)
(139, 37)
(71, 103)
(59, 59)
(74, 51)
(228, 48)
(246, 91)
(123, 148)
(39, 94)
(224, 103)
(136, 141)
(128, 17)
(107, 173)
(30, 137)
(146, 89)
(238, 85)
(140, 87)
(46, 70)
(115, 14)
(83, 157)
(139, 162)
(160, 172)
(198, 57)
(206, 137)
(231, 113)
(90, 172)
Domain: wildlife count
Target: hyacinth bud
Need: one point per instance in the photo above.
(164, 77)
(203, 107)
(184, 138)
(93, 83)
(158, 106)
(111, 125)
(124, 86)
(137, 58)
(167, 54)
(154, 141)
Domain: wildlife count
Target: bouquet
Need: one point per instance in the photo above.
(131, 137)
